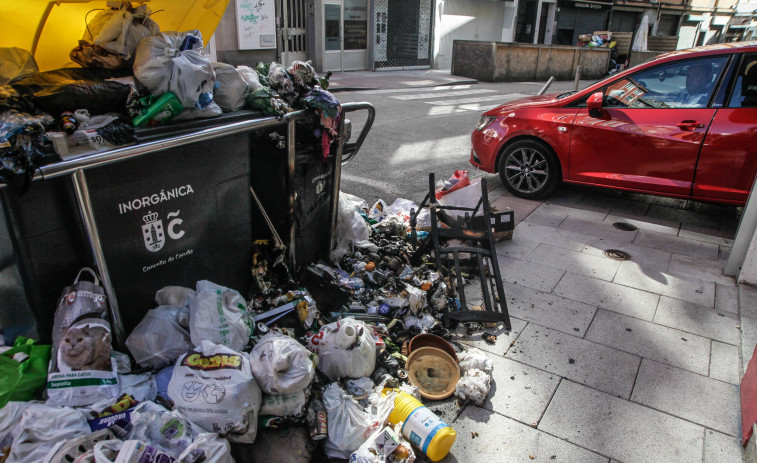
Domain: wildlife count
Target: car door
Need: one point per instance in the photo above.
(648, 134)
(728, 161)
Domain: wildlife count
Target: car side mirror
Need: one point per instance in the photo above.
(594, 103)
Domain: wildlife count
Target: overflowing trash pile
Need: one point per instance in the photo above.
(133, 74)
(330, 365)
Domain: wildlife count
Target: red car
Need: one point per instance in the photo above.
(683, 125)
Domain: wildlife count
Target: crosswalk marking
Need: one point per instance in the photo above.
(441, 88)
(422, 96)
(498, 97)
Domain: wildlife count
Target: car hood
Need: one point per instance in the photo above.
(536, 101)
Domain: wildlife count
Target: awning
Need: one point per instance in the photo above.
(51, 28)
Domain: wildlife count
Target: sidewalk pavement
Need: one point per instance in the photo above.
(611, 361)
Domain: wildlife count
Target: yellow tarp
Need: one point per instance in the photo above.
(50, 29)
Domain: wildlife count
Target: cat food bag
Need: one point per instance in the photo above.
(82, 370)
(214, 388)
(219, 314)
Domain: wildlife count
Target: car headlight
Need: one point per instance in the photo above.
(484, 122)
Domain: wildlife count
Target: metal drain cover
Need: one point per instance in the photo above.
(624, 226)
(617, 254)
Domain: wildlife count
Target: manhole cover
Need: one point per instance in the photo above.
(624, 226)
(617, 254)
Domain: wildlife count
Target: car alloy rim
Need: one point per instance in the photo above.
(527, 170)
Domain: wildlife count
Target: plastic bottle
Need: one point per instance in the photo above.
(68, 122)
(346, 336)
(422, 427)
(162, 110)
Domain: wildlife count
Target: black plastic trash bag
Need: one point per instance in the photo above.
(21, 138)
(16, 63)
(69, 89)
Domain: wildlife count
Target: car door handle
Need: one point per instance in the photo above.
(689, 125)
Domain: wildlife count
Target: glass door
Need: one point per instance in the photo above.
(345, 35)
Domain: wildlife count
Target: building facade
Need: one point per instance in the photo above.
(347, 35)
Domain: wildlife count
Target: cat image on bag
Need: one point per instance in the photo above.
(85, 347)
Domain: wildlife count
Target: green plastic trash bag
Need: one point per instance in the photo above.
(20, 381)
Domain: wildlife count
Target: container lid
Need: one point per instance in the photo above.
(51, 28)
(433, 371)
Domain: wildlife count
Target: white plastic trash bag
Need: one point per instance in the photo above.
(350, 228)
(348, 424)
(168, 431)
(468, 196)
(207, 448)
(214, 387)
(177, 296)
(283, 404)
(231, 88)
(159, 339)
(41, 429)
(172, 62)
(281, 365)
(219, 315)
(345, 348)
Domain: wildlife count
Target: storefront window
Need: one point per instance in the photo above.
(355, 24)
(332, 14)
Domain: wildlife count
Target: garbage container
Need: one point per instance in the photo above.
(171, 211)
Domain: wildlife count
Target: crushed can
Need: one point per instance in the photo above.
(316, 419)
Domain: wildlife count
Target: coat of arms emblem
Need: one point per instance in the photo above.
(152, 231)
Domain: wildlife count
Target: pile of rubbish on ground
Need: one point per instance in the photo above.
(133, 75)
(332, 365)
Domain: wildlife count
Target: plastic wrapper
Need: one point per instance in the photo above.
(283, 404)
(211, 110)
(303, 74)
(349, 425)
(473, 386)
(345, 348)
(214, 388)
(280, 80)
(172, 62)
(68, 89)
(467, 197)
(417, 298)
(111, 37)
(359, 388)
(177, 296)
(265, 100)
(82, 370)
(219, 315)
(41, 429)
(350, 228)
(250, 77)
(423, 321)
(281, 365)
(80, 449)
(159, 339)
(17, 64)
(384, 446)
(232, 87)
(94, 138)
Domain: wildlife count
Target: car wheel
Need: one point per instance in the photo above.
(529, 169)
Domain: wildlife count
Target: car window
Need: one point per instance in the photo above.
(744, 94)
(682, 84)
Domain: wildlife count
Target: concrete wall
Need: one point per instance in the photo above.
(226, 43)
(516, 62)
(466, 20)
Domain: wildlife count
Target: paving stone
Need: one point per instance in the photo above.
(698, 234)
(726, 299)
(659, 282)
(521, 207)
(719, 448)
(582, 361)
(645, 339)
(504, 338)
(576, 262)
(520, 391)
(724, 362)
(668, 227)
(700, 269)
(620, 429)
(599, 229)
(519, 247)
(549, 310)
(616, 205)
(607, 295)
(542, 234)
(693, 318)
(549, 215)
(500, 439)
(530, 274)
(676, 245)
(648, 259)
(711, 403)
(748, 313)
(684, 216)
